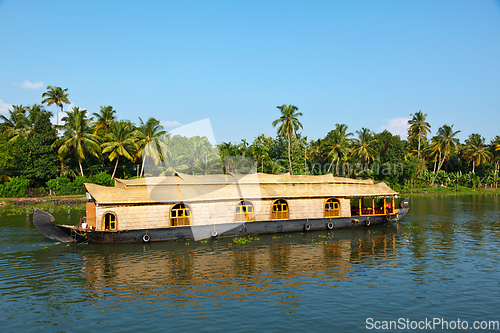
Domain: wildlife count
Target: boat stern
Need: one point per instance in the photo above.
(43, 223)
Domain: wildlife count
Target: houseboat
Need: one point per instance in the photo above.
(203, 206)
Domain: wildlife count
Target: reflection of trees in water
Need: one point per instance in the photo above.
(440, 222)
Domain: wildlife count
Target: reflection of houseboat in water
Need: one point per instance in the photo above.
(214, 267)
(189, 206)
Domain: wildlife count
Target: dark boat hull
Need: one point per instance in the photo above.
(74, 234)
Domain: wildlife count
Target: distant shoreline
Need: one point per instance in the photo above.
(447, 191)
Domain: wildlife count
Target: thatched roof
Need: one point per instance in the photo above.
(193, 188)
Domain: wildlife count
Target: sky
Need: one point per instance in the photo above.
(362, 63)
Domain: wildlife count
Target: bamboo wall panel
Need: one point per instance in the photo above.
(136, 217)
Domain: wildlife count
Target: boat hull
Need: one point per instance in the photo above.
(75, 234)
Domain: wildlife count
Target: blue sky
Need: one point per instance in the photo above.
(363, 63)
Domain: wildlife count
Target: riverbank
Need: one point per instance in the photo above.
(57, 200)
(80, 199)
(447, 190)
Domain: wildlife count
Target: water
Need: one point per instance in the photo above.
(441, 261)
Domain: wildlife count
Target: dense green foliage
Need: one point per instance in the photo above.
(16, 188)
(34, 157)
(36, 160)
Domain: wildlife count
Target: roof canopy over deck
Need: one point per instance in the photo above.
(219, 187)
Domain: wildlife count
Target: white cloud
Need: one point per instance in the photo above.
(33, 86)
(61, 114)
(69, 107)
(4, 107)
(173, 123)
(397, 126)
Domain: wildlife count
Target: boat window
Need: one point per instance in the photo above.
(109, 221)
(244, 211)
(280, 210)
(332, 208)
(180, 215)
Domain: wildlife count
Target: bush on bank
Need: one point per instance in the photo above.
(18, 186)
(64, 186)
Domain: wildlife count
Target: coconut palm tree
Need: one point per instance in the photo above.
(338, 146)
(148, 142)
(418, 128)
(104, 119)
(120, 141)
(476, 151)
(315, 149)
(77, 138)
(34, 114)
(445, 142)
(57, 96)
(495, 150)
(364, 146)
(17, 124)
(289, 125)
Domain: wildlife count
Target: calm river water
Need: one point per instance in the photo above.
(441, 261)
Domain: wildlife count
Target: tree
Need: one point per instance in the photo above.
(495, 150)
(17, 124)
(289, 125)
(104, 119)
(77, 138)
(57, 96)
(445, 142)
(418, 128)
(7, 158)
(315, 152)
(35, 157)
(338, 145)
(476, 151)
(35, 112)
(120, 141)
(364, 146)
(149, 144)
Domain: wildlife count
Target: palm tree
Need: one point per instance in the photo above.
(364, 147)
(496, 143)
(495, 150)
(445, 143)
(339, 145)
(120, 141)
(34, 114)
(289, 125)
(149, 144)
(77, 138)
(476, 151)
(104, 119)
(17, 124)
(418, 128)
(57, 96)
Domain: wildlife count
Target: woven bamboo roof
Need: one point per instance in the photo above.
(234, 178)
(205, 188)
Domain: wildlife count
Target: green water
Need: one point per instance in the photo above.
(440, 261)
